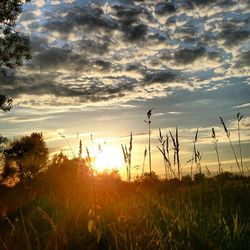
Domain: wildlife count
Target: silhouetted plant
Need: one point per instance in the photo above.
(127, 154)
(176, 147)
(144, 160)
(215, 143)
(165, 153)
(208, 170)
(194, 155)
(67, 141)
(80, 150)
(231, 144)
(149, 114)
(239, 117)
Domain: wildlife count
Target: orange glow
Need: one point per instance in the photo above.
(108, 158)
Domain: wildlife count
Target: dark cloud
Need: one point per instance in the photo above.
(233, 33)
(135, 32)
(203, 2)
(126, 19)
(101, 64)
(233, 37)
(39, 43)
(52, 58)
(160, 77)
(27, 16)
(244, 59)
(90, 17)
(126, 13)
(164, 7)
(90, 89)
(95, 47)
(189, 55)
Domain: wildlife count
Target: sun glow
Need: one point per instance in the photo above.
(108, 158)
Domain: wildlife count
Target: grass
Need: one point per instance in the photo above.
(82, 211)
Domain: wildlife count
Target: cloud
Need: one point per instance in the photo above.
(189, 55)
(164, 7)
(110, 51)
(25, 119)
(243, 105)
(244, 59)
(89, 17)
(160, 76)
(233, 34)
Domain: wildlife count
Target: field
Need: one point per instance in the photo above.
(68, 207)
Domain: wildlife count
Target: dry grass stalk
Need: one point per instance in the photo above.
(144, 160)
(208, 171)
(66, 139)
(194, 155)
(215, 143)
(176, 147)
(165, 153)
(231, 144)
(149, 113)
(127, 153)
(239, 117)
(88, 158)
(80, 150)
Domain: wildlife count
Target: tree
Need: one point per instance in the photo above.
(14, 46)
(28, 155)
(5, 103)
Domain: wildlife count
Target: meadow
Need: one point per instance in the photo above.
(69, 207)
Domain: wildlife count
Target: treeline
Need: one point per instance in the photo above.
(27, 158)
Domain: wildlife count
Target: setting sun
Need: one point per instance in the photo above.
(108, 158)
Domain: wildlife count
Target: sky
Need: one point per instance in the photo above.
(98, 66)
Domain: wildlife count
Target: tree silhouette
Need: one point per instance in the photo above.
(28, 155)
(5, 103)
(14, 46)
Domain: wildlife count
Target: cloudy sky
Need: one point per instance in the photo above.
(99, 66)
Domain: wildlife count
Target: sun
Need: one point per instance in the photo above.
(109, 158)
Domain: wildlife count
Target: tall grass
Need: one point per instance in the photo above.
(164, 149)
(148, 121)
(131, 216)
(144, 160)
(176, 147)
(194, 154)
(127, 154)
(215, 144)
(239, 117)
(231, 144)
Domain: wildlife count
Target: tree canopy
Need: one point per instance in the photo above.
(14, 46)
(5, 103)
(27, 155)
